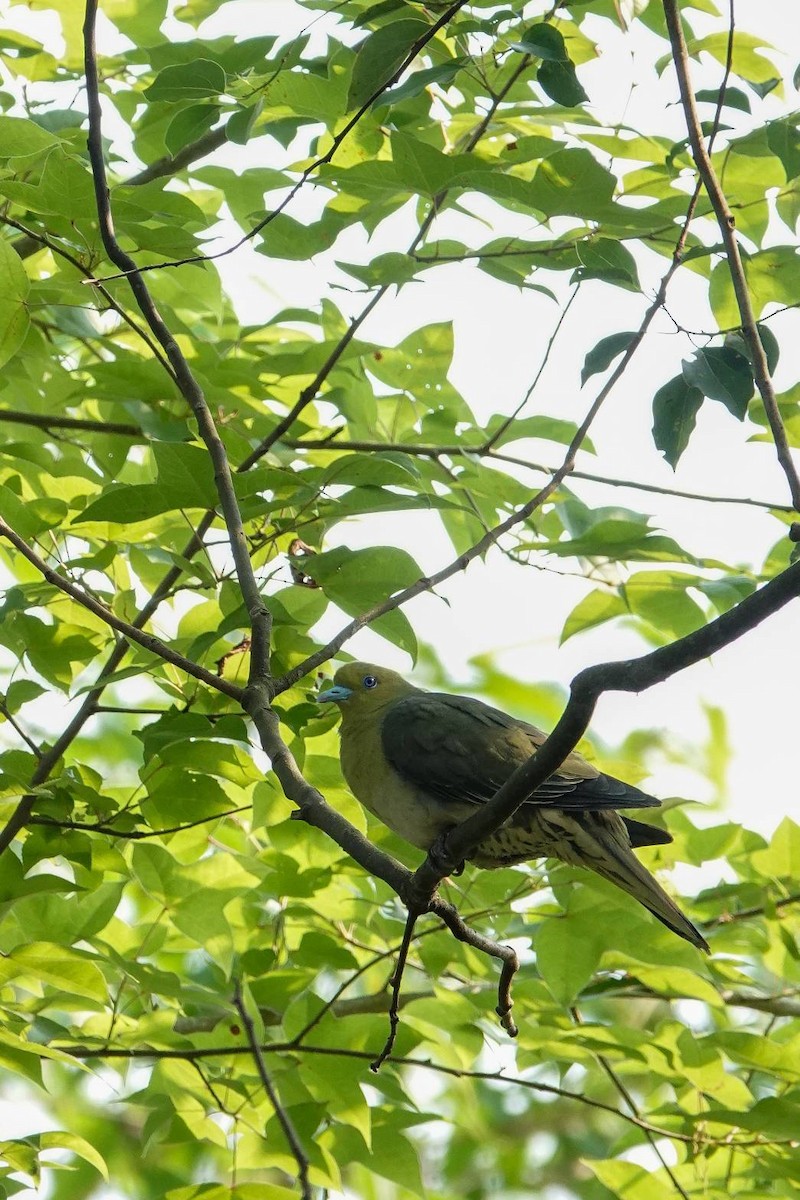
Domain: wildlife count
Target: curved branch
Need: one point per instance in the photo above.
(627, 675)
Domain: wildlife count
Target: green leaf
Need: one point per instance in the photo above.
(603, 354)
(661, 598)
(358, 579)
(568, 951)
(14, 289)
(723, 374)
(560, 82)
(21, 691)
(551, 429)
(240, 126)
(773, 277)
(185, 480)
(379, 56)
(422, 168)
(733, 98)
(544, 41)
(20, 138)
(748, 61)
(675, 408)
(629, 1181)
(603, 258)
(571, 182)
(188, 81)
(443, 74)
(63, 1140)
(56, 966)
(594, 609)
(190, 124)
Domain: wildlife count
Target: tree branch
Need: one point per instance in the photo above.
(727, 227)
(285, 1121)
(192, 1054)
(14, 416)
(465, 450)
(189, 387)
(147, 641)
(629, 675)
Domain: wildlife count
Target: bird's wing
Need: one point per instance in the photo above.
(457, 748)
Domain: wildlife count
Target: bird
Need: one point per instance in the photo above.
(423, 762)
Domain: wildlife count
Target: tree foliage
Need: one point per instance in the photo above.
(193, 984)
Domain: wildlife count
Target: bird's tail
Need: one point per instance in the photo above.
(606, 850)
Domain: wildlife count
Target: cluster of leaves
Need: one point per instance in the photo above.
(161, 864)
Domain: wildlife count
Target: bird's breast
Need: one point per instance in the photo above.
(402, 805)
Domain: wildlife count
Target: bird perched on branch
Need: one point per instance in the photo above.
(422, 761)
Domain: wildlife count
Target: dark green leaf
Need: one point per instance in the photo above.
(560, 82)
(675, 408)
(443, 74)
(723, 374)
(379, 56)
(188, 81)
(603, 258)
(733, 98)
(603, 354)
(544, 41)
(190, 124)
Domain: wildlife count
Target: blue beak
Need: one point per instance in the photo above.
(335, 694)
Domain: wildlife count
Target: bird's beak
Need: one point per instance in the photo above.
(335, 694)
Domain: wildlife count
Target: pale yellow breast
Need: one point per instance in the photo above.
(406, 808)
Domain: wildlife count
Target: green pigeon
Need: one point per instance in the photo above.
(423, 762)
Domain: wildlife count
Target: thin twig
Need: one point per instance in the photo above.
(285, 1121)
(757, 910)
(45, 421)
(20, 732)
(134, 835)
(465, 450)
(396, 982)
(491, 442)
(634, 1108)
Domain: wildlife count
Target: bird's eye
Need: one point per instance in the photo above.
(370, 681)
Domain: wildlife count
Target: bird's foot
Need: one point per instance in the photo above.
(441, 858)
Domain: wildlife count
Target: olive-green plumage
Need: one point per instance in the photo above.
(422, 761)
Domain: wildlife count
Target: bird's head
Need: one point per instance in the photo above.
(361, 688)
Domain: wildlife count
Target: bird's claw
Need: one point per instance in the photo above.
(441, 858)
